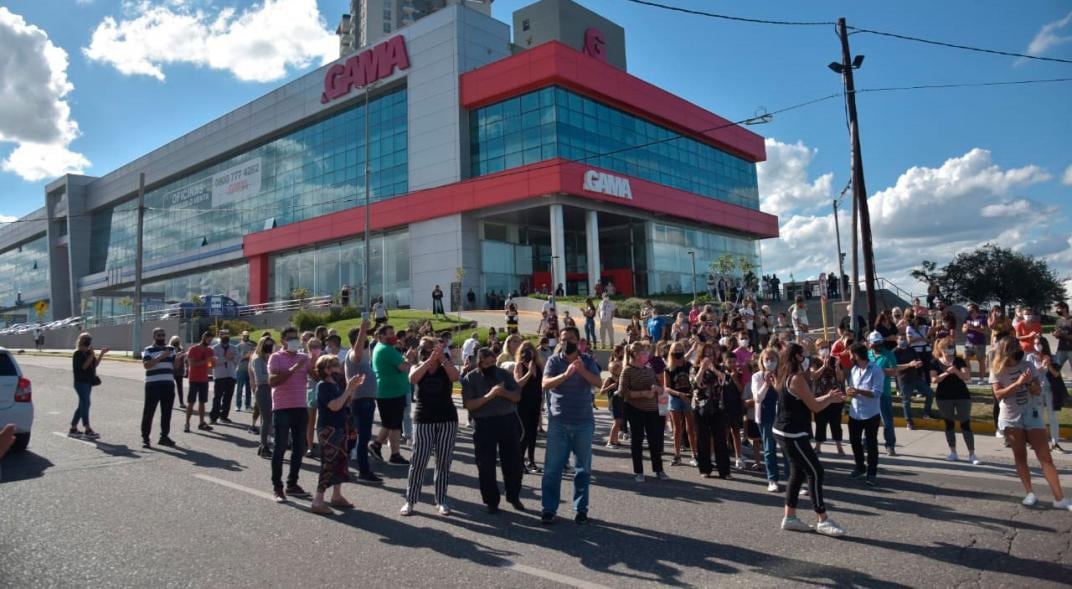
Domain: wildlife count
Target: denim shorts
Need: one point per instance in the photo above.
(678, 404)
(1028, 420)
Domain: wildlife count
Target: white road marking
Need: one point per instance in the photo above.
(79, 440)
(556, 577)
(236, 486)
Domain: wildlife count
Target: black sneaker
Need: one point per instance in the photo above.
(204, 426)
(279, 495)
(547, 519)
(871, 481)
(581, 518)
(186, 428)
(296, 491)
(225, 420)
(253, 430)
(397, 459)
(891, 451)
(369, 477)
(166, 441)
(492, 509)
(212, 421)
(857, 474)
(376, 450)
(146, 444)
(263, 452)
(516, 504)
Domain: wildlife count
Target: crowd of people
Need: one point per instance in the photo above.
(723, 380)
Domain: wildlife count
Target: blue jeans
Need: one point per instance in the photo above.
(362, 414)
(911, 387)
(770, 452)
(888, 433)
(564, 439)
(242, 384)
(83, 389)
(590, 330)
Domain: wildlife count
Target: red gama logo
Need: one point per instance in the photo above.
(365, 68)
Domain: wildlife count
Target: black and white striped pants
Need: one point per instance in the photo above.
(428, 438)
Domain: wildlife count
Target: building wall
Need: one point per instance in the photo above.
(567, 22)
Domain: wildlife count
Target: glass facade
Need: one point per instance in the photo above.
(671, 265)
(25, 269)
(310, 172)
(231, 281)
(324, 269)
(555, 122)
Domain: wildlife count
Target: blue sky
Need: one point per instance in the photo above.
(999, 155)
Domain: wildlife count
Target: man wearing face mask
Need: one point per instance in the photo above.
(491, 396)
(568, 379)
(883, 357)
(224, 373)
(358, 361)
(866, 382)
(198, 358)
(1028, 330)
(287, 371)
(159, 388)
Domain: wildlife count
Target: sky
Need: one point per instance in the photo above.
(94, 84)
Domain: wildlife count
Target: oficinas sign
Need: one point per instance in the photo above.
(365, 68)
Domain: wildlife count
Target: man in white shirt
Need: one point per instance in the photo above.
(509, 301)
(865, 386)
(606, 321)
(799, 316)
(549, 305)
(469, 348)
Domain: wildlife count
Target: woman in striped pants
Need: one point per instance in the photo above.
(435, 423)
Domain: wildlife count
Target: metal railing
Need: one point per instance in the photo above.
(321, 302)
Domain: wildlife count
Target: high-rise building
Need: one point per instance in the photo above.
(371, 20)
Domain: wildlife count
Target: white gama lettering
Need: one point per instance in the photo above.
(607, 184)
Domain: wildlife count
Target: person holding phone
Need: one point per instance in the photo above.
(287, 371)
(528, 372)
(1016, 386)
(84, 362)
(332, 402)
(676, 382)
(640, 390)
(435, 422)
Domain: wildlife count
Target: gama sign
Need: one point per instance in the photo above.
(365, 68)
(604, 183)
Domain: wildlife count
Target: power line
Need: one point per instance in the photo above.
(965, 85)
(958, 46)
(734, 18)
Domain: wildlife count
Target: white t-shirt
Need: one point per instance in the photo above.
(379, 311)
(548, 305)
(1013, 405)
(606, 310)
(799, 317)
(469, 347)
(749, 317)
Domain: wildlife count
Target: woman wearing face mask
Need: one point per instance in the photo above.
(435, 422)
(528, 372)
(262, 393)
(1016, 386)
(709, 411)
(1042, 360)
(732, 401)
(949, 375)
(830, 376)
(676, 382)
(792, 428)
(331, 431)
(764, 383)
(640, 392)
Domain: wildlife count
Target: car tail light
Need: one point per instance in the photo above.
(23, 392)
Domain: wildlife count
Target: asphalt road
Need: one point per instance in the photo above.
(109, 514)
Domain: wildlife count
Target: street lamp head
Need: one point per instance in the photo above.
(836, 67)
(857, 61)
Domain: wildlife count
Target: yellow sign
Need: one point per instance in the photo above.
(40, 307)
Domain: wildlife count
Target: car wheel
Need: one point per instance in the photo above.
(21, 442)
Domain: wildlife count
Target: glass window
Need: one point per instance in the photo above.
(578, 128)
(669, 247)
(25, 269)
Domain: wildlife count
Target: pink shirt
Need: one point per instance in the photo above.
(744, 356)
(290, 394)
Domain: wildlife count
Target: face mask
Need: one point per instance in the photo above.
(950, 352)
(678, 355)
(1029, 317)
(225, 340)
(570, 348)
(806, 364)
(903, 344)
(1038, 348)
(159, 341)
(293, 345)
(770, 365)
(743, 343)
(266, 349)
(824, 353)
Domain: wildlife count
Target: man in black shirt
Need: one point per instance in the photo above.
(159, 362)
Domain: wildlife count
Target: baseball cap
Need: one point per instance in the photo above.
(875, 338)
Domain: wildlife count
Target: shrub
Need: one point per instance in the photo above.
(631, 306)
(235, 326)
(306, 320)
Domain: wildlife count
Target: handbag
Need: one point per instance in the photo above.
(96, 380)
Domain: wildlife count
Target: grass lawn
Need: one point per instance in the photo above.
(400, 319)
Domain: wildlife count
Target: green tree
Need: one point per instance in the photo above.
(991, 274)
(722, 266)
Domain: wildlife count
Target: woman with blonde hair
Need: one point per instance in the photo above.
(1016, 386)
(950, 375)
(676, 382)
(509, 353)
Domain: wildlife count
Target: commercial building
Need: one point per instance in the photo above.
(498, 164)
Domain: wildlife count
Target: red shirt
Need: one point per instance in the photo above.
(199, 353)
(839, 351)
(1024, 328)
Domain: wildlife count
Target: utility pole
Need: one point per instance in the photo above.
(136, 345)
(692, 255)
(859, 189)
(368, 191)
(840, 257)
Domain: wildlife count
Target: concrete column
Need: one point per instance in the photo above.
(558, 248)
(591, 229)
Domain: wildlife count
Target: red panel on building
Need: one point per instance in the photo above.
(553, 63)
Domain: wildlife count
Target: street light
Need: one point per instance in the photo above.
(692, 255)
(368, 192)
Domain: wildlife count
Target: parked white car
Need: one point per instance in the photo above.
(16, 399)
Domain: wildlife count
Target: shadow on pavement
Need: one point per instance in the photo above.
(20, 466)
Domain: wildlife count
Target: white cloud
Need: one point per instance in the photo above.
(256, 44)
(1067, 180)
(35, 115)
(929, 213)
(8, 219)
(783, 179)
(1050, 35)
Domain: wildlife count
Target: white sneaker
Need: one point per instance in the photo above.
(829, 528)
(803, 491)
(999, 434)
(692, 462)
(1030, 500)
(1063, 504)
(952, 457)
(794, 524)
(444, 510)
(772, 487)
(638, 478)
(407, 509)
(974, 459)
(739, 464)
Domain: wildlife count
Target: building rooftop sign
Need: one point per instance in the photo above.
(604, 183)
(365, 68)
